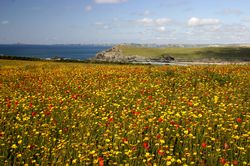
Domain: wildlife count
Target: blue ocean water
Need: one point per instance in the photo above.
(81, 52)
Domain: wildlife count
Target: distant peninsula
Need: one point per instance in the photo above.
(135, 53)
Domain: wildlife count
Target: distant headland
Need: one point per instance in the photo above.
(137, 53)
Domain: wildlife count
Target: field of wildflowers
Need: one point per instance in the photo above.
(87, 114)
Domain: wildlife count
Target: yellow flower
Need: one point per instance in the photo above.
(74, 161)
(169, 162)
(216, 99)
(179, 161)
(169, 157)
(147, 154)
(14, 146)
(92, 152)
(107, 140)
(162, 141)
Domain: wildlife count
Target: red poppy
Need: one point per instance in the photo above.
(135, 112)
(101, 161)
(111, 120)
(223, 161)
(160, 152)
(238, 120)
(172, 122)
(33, 114)
(16, 103)
(158, 136)
(204, 145)
(235, 162)
(146, 145)
(47, 113)
(30, 105)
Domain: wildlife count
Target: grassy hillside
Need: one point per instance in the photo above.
(189, 54)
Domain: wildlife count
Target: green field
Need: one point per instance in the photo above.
(192, 54)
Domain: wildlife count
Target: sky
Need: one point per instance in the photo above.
(124, 21)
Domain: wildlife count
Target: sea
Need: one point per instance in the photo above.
(75, 52)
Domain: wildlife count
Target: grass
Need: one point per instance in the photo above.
(190, 54)
(92, 114)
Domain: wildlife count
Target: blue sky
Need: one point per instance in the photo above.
(124, 21)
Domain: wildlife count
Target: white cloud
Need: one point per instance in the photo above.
(161, 29)
(162, 21)
(88, 8)
(146, 21)
(109, 1)
(5, 22)
(194, 21)
(149, 21)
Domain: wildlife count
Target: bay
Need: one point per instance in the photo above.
(81, 52)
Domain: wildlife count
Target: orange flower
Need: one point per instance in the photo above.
(160, 120)
(190, 104)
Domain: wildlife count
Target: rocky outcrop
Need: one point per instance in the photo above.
(115, 55)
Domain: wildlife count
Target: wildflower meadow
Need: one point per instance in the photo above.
(95, 114)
